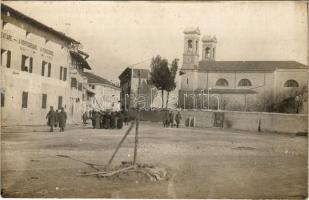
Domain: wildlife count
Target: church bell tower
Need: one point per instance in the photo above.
(209, 48)
(191, 48)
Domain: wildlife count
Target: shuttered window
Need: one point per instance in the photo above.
(59, 102)
(64, 74)
(6, 58)
(2, 99)
(26, 63)
(44, 100)
(24, 103)
(61, 68)
(43, 68)
(49, 69)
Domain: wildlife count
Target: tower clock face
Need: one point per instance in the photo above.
(188, 60)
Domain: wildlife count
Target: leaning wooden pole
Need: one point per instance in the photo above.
(122, 140)
(137, 119)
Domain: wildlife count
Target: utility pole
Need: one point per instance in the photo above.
(137, 119)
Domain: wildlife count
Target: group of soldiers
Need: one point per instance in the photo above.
(106, 120)
(56, 118)
(170, 118)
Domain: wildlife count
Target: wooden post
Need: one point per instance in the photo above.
(124, 137)
(137, 119)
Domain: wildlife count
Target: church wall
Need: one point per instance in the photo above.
(281, 76)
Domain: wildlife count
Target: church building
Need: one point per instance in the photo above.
(237, 85)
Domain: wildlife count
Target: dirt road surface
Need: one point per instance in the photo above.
(201, 163)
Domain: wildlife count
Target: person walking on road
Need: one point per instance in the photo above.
(51, 118)
(178, 118)
(62, 119)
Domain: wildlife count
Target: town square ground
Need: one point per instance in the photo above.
(200, 163)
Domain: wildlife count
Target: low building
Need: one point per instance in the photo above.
(101, 93)
(39, 68)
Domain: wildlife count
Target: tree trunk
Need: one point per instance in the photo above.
(162, 92)
(167, 96)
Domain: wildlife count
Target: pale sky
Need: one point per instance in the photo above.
(118, 34)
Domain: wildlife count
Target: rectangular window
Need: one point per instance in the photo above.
(43, 68)
(6, 58)
(24, 100)
(26, 63)
(44, 101)
(49, 69)
(61, 72)
(73, 83)
(64, 74)
(59, 102)
(2, 99)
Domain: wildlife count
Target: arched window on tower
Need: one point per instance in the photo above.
(291, 83)
(214, 53)
(207, 52)
(187, 81)
(196, 46)
(190, 45)
(222, 82)
(244, 82)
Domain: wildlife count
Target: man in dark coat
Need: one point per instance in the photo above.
(62, 117)
(120, 120)
(85, 118)
(171, 120)
(108, 120)
(178, 118)
(51, 118)
(166, 119)
(112, 125)
(97, 120)
(93, 118)
(126, 117)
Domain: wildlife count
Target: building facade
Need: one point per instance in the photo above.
(235, 85)
(39, 68)
(129, 79)
(101, 94)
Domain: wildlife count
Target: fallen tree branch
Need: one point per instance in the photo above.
(105, 174)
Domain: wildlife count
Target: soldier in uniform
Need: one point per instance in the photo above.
(178, 118)
(171, 119)
(62, 119)
(51, 118)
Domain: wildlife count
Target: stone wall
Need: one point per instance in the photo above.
(247, 121)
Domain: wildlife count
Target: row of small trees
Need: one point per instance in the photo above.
(162, 76)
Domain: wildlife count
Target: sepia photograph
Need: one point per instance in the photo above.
(154, 100)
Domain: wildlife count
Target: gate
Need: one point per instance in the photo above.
(219, 119)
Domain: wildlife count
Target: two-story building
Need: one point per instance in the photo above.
(39, 66)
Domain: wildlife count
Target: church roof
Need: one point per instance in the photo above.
(98, 79)
(249, 65)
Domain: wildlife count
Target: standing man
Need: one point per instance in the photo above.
(85, 118)
(172, 119)
(178, 118)
(51, 118)
(125, 117)
(62, 119)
